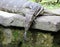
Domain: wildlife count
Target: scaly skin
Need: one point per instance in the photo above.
(29, 21)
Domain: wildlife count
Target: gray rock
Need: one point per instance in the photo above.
(10, 19)
(54, 12)
(50, 23)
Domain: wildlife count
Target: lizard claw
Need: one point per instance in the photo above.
(25, 37)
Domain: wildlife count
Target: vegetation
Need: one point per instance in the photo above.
(36, 38)
(49, 4)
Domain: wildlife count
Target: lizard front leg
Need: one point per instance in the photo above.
(28, 22)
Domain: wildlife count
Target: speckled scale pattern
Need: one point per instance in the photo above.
(11, 5)
(19, 6)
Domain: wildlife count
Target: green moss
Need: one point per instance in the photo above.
(35, 39)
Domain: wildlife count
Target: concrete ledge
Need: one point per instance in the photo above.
(49, 23)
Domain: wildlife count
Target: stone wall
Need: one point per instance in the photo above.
(11, 31)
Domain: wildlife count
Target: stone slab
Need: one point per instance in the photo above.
(49, 23)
